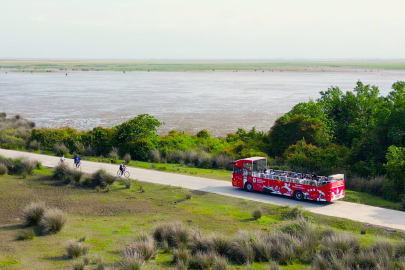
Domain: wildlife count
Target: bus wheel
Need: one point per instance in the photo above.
(298, 195)
(249, 187)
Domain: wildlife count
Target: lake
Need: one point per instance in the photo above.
(219, 101)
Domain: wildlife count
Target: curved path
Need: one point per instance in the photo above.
(358, 212)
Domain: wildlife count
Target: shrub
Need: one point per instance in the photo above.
(201, 243)
(78, 266)
(221, 245)
(145, 247)
(76, 249)
(86, 260)
(154, 155)
(89, 151)
(173, 233)
(127, 158)
(101, 178)
(60, 149)
(201, 261)
(53, 221)
(220, 263)
(204, 160)
(34, 145)
(256, 214)
(24, 166)
(242, 251)
(340, 244)
(86, 181)
(113, 155)
(76, 175)
(293, 213)
(3, 169)
(274, 266)
(130, 261)
(181, 257)
(128, 183)
(221, 161)
(79, 147)
(61, 172)
(25, 235)
(188, 195)
(33, 213)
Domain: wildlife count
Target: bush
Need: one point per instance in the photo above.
(154, 155)
(89, 151)
(79, 147)
(204, 160)
(256, 214)
(127, 158)
(24, 166)
(78, 266)
(201, 243)
(242, 251)
(181, 257)
(188, 195)
(60, 149)
(220, 263)
(113, 155)
(221, 161)
(340, 244)
(221, 245)
(3, 169)
(34, 145)
(102, 178)
(76, 249)
(53, 221)
(62, 172)
(25, 235)
(173, 233)
(76, 175)
(145, 247)
(130, 261)
(201, 261)
(33, 213)
(128, 183)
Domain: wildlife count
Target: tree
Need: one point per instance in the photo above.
(305, 121)
(141, 127)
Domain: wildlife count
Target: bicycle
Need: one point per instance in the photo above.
(62, 162)
(77, 166)
(125, 174)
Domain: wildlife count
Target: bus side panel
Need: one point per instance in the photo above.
(337, 190)
(258, 183)
(237, 180)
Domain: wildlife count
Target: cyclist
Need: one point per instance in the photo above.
(122, 168)
(77, 161)
(62, 158)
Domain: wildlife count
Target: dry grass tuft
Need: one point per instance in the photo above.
(33, 213)
(76, 249)
(53, 221)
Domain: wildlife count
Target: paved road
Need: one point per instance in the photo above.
(358, 212)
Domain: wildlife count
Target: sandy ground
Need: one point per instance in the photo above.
(357, 212)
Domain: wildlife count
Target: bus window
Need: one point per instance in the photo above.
(247, 165)
(237, 170)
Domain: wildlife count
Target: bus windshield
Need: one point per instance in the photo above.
(260, 164)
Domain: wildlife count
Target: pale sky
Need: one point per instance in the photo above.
(206, 29)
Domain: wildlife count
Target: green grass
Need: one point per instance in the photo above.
(368, 199)
(161, 65)
(110, 220)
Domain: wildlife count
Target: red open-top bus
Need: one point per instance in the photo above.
(252, 175)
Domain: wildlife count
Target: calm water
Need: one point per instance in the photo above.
(218, 101)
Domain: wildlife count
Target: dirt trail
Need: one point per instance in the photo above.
(358, 212)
